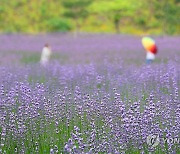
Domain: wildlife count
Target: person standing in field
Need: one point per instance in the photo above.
(150, 57)
(151, 48)
(46, 53)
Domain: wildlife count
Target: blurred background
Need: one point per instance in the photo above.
(111, 16)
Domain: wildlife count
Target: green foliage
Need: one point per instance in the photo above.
(30, 58)
(57, 24)
(76, 4)
(150, 16)
(76, 9)
(167, 13)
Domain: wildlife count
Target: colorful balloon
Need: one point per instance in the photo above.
(149, 45)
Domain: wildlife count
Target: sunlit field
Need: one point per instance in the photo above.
(96, 95)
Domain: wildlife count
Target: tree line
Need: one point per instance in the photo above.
(120, 16)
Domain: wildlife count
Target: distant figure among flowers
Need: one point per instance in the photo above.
(46, 53)
(151, 48)
(150, 57)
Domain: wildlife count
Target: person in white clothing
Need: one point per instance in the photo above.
(150, 57)
(46, 53)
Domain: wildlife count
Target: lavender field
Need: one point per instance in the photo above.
(96, 95)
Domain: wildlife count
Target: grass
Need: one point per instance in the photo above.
(34, 57)
(30, 58)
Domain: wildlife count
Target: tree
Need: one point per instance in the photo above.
(162, 14)
(167, 12)
(115, 10)
(76, 10)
